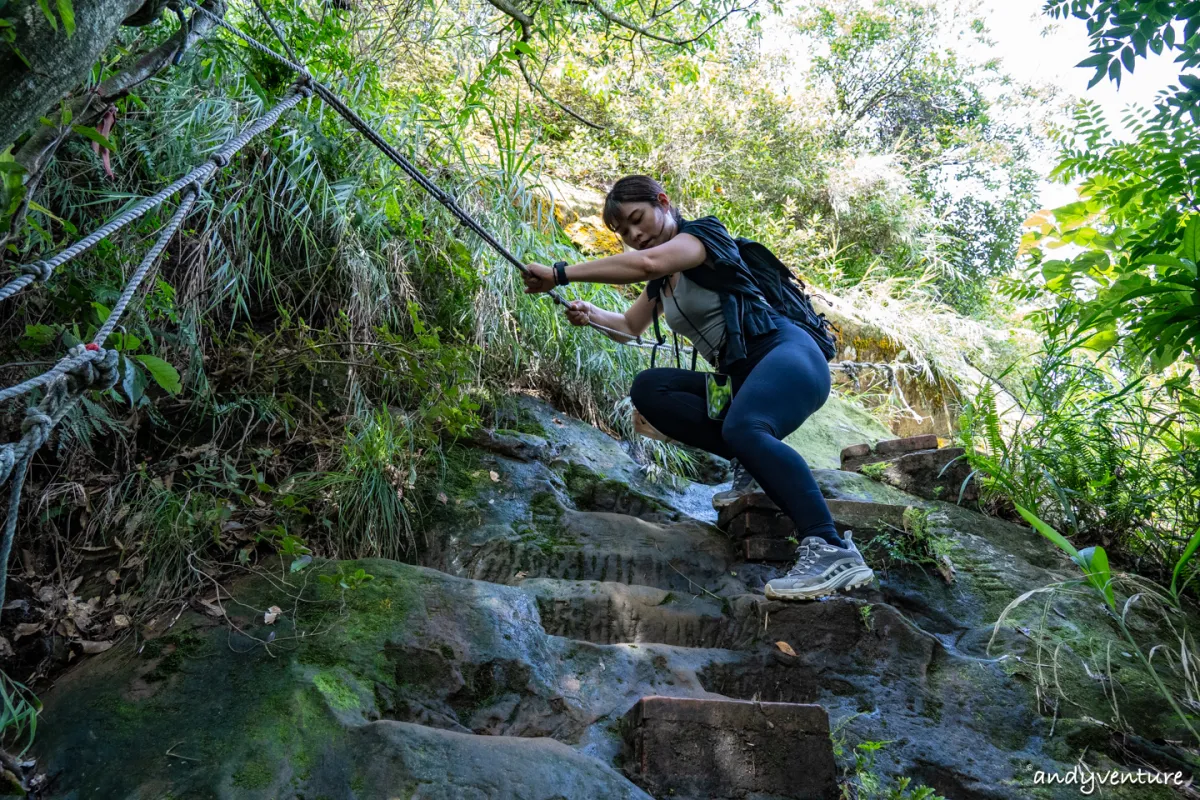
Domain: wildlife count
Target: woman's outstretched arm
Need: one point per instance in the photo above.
(682, 252)
(629, 325)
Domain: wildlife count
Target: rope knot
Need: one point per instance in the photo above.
(99, 371)
(220, 159)
(38, 269)
(304, 86)
(37, 425)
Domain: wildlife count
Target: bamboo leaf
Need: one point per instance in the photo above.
(1191, 240)
(45, 6)
(1051, 534)
(1189, 551)
(67, 11)
(96, 136)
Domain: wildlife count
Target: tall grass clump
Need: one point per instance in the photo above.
(1107, 456)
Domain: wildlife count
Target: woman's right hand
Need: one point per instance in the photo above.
(579, 312)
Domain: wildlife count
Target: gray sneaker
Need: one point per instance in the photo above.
(821, 569)
(743, 484)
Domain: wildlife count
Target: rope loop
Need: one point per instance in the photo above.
(107, 370)
(38, 269)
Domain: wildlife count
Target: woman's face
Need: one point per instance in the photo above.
(642, 225)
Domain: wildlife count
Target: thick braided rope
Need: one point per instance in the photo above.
(41, 270)
(148, 262)
(204, 172)
(81, 357)
(86, 367)
(60, 398)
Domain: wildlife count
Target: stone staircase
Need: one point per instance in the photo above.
(579, 632)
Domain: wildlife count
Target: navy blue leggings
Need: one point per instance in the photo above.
(783, 380)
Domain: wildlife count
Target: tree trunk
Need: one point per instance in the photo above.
(57, 63)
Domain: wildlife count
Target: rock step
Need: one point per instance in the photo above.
(691, 747)
(618, 613)
(689, 557)
(857, 631)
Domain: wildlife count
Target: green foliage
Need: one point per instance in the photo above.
(65, 11)
(346, 580)
(1093, 561)
(861, 780)
(918, 544)
(18, 715)
(1122, 31)
(896, 88)
(1138, 230)
(1107, 455)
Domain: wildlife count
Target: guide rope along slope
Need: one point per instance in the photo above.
(90, 366)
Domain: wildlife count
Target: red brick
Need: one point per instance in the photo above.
(754, 500)
(856, 451)
(894, 447)
(766, 548)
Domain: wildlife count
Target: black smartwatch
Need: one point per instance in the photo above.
(560, 273)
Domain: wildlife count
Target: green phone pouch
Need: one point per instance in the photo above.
(719, 392)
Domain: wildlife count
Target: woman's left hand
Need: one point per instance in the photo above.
(538, 278)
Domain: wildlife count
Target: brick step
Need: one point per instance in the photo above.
(766, 534)
(916, 465)
(857, 455)
(720, 748)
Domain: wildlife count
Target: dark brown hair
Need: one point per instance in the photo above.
(633, 189)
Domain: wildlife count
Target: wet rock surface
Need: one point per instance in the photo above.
(561, 592)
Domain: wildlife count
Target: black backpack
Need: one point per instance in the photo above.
(786, 293)
(782, 290)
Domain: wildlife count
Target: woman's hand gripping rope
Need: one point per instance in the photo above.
(538, 278)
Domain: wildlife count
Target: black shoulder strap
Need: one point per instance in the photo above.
(659, 341)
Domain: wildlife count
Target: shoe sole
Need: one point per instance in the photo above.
(857, 580)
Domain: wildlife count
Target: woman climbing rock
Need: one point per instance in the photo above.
(777, 372)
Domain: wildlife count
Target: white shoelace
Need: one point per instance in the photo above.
(808, 556)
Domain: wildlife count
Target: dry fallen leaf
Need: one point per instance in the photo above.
(214, 610)
(946, 569)
(442, 498)
(92, 648)
(113, 576)
(121, 621)
(784, 647)
(5, 648)
(272, 614)
(495, 476)
(520, 576)
(27, 629)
